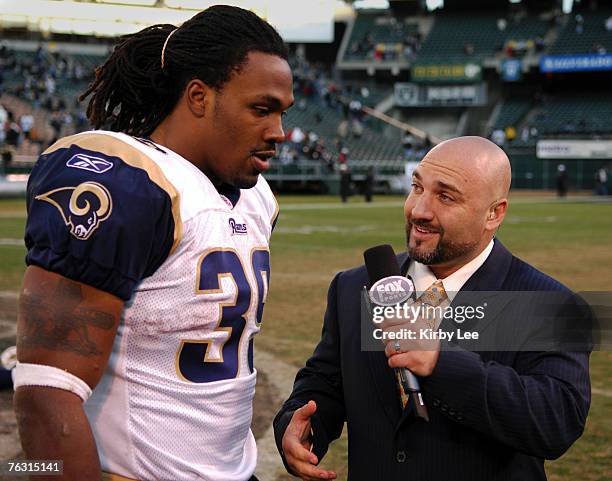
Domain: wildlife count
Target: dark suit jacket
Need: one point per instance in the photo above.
(493, 415)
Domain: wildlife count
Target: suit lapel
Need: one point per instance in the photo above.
(384, 380)
(484, 288)
(492, 274)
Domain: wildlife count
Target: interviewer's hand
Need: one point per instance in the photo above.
(419, 353)
(297, 445)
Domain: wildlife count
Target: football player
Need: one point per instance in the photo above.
(148, 260)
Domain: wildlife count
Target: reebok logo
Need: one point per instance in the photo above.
(96, 165)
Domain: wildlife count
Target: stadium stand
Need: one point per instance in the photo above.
(364, 143)
(378, 37)
(578, 115)
(585, 32)
(39, 91)
(475, 35)
(379, 48)
(511, 112)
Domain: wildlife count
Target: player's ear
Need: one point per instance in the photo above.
(197, 95)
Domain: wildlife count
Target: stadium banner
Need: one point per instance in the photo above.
(415, 95)
(426, 72)
(574, 149)
(575, 63)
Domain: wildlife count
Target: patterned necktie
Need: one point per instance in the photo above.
(433, 296)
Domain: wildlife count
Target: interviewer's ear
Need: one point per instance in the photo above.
(496, 214)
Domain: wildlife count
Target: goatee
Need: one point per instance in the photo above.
(444, 251)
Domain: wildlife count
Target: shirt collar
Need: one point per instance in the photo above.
(423, 277)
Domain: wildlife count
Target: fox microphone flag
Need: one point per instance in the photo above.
(389, 288)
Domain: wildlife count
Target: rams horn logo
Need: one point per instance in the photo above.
(83, 207)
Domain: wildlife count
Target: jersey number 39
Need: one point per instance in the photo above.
(216, 359)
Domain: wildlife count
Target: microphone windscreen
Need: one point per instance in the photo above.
(381, 262)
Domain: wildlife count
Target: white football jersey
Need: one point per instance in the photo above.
(175, 402)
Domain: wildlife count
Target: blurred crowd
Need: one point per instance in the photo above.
(38, 103)
(405, 48)
(313, 86)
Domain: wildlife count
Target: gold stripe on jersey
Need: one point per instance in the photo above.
(276, 211)
(114, 147)
(115, 477)
(264, 278)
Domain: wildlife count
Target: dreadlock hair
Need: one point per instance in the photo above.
(133, 93)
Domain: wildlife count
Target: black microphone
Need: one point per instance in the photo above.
(382, 265)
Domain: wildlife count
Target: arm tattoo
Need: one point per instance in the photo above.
(59, 323)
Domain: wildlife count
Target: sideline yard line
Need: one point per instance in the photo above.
(601, 392)
(577, 199)
(331, 205)
(281, 375)
(9, 294)
(13, 215)
(12, 242)
(515, 200)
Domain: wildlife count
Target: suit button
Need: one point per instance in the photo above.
(436, 403)
(400, 457)
(444, 408)
(451, 412)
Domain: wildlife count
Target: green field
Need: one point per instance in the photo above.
(317, 236)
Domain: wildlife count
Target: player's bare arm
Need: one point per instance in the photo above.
(70, 326)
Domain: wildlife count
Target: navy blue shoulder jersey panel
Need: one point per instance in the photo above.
(95, 215)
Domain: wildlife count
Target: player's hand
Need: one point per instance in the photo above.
(297, 445)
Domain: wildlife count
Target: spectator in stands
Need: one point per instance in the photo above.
(56, 124)
(343, 156)
(598, 48)
(343, 129)
(525, 134)
(327, 157)
(498, 136)
(49, 85)
(297, 136)
(13, 131)
(579, 27)
(510, 133)
(3, 120)
(312, 137)
(357, 127)
(27, 123)
(379, 52)
(355, 107)
(408, 145)
(468, 48)
(286, 155)
(569, 127)
(608, 24)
